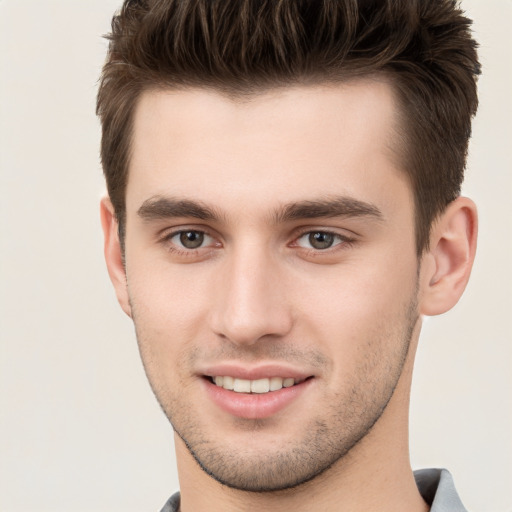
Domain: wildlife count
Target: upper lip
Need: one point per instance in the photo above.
(254, 372)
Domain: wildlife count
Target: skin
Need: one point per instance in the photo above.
(257, 292)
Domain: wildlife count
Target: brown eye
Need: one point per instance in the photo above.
(321, 240)
(191, 239)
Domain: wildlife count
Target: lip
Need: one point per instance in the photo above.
(261, 371)
(254, 405)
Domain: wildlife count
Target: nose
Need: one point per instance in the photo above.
(251, 299)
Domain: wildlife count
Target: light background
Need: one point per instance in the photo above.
(79, 427)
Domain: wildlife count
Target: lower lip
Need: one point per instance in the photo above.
(255, 405)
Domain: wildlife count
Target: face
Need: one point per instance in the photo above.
(271, 273)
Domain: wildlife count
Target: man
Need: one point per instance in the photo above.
(283, 209)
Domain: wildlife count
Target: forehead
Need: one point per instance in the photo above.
(280, 146)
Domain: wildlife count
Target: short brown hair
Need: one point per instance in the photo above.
(242, 47)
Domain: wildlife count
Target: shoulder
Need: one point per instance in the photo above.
(438, 490)
(172, 504)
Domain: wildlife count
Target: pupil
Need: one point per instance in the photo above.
(321, 240)
(192, 239)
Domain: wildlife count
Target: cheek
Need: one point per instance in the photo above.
(168, 308)
(359, 305)
(167, 294)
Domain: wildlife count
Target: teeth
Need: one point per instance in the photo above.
(242, 386)
(260, 386)
(254, 386)
(229, 383)
(276, 383)
(287, 383)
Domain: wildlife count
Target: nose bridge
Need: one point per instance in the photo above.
(251, 300)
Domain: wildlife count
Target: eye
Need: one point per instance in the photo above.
(319, 240)
(191, 239)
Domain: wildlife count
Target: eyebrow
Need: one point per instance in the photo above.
(340, 206)
(161, 208)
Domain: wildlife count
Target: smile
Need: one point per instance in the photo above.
(255, 398)
(259, 386)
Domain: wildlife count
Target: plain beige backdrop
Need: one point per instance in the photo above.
(79, 427)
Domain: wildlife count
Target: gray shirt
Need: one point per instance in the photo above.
(435, 485)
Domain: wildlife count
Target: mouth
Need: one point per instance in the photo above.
(256, 386)
(256, 398)
(256, 391)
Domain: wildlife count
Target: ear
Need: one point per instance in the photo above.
(446, 266)
(113, 254)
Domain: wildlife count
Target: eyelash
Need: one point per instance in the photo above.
(183, 251)
(344, 242)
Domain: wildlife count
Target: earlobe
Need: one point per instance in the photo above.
(446, 266)
(113, 254)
